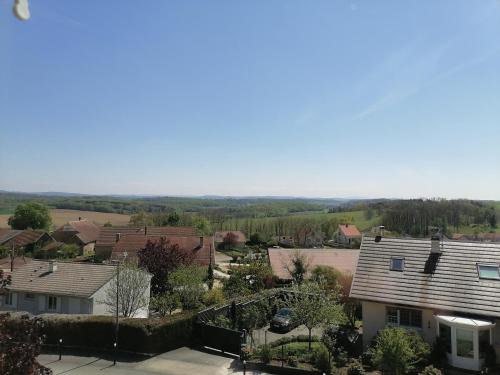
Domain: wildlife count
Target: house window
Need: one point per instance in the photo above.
(404, 317)
(445, 336)
(465, 343)
(52, 303)
(29, 297)
(397, 264)
(488, 271)
(8, 299)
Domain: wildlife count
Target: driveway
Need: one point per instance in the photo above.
(183, 361)
(259, 335)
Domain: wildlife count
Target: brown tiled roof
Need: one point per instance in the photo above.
(349, 230)
(24, 237)
(201, 246)
(18, 262)
(342, 260)
(87, 230)
(7, 234)
(107, 235)
(240, 236)
(71, 279)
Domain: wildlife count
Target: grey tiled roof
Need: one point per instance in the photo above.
(448, 281)
(70, 279)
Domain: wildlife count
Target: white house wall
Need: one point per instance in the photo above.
(39, 305)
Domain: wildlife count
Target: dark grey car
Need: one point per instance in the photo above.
(283, 320)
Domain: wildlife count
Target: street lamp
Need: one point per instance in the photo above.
(60, 348)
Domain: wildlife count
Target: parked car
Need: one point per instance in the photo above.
(283, 320)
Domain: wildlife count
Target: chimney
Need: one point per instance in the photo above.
(436, 245)
(201, 241)
(381, 230)
(145, 230)
(52, 266)
(117, 237)
(79, 218)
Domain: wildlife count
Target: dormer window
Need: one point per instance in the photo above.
(488, 271)
(397, 264)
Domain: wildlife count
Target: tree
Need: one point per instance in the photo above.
(351, 307)
(31, 215)
(253, 316)
(492, 218)
(132, 284)
(298, 267)
(173, 219)
(248, 279)
(187, 283)
(398, 351)
(165, 304)
(107, 224)
(327, 276)
(68, 251)
(314, 307)
(160, 258)
(202, 225)
(214, 297)
(255, 239)
(230, 240)
(20, 345)
(210, 276)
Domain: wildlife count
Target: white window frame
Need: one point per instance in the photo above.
(398, 323)
(479, 265)
(8, 299)
(402, 259)
(55, 299)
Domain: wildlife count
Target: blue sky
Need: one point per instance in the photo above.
(324, 98)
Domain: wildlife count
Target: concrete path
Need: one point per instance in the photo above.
(183, 361)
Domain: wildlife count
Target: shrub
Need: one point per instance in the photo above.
(355, 368)
(398, 351)
(214, 297)
(265, 354)
(222, 321)
(289, 339)
(135, 335)
(292, 361)
(322, 360)
(431, 370)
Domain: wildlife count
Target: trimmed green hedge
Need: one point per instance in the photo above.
(135, 335)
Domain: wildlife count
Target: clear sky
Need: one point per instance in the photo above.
(304, 98)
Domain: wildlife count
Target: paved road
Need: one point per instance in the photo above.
(183, 361)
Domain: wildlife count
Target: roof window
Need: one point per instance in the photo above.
(488, 271)
(397, 264)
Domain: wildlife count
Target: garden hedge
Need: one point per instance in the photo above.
(148, 336)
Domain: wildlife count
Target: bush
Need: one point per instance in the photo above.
(292, 361)
(222, 321)
(355, 368)
(265, 354)
(214, 297)
(431, 370)
(289, 339)
(135, 335)
(398, 351)
(322, 360)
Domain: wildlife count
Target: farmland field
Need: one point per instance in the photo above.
(59, 217)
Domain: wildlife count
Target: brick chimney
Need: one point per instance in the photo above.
(145, 230)
(117, 237)
(201, 241)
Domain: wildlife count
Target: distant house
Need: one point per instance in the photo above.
(342, 260)
(66, 288)
(447, 289)
(239, 236)
(26, 240)
(108, 236)
(83, 233)
(347, 234)
(202, 247)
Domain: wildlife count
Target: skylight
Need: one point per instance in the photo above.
(397, 264)
(488, 271)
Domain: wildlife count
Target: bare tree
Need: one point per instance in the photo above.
(298, 266)
(132, 285)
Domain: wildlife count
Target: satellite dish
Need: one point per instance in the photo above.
(21, 10)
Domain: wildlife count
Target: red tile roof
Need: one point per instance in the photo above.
(349, 230)
(85, 230)
(107, 235)
(342, 260)
(201, 246)
(24, 237)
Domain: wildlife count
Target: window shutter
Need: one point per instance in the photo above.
(41, 303)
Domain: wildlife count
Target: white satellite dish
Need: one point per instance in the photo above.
(21, 10)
